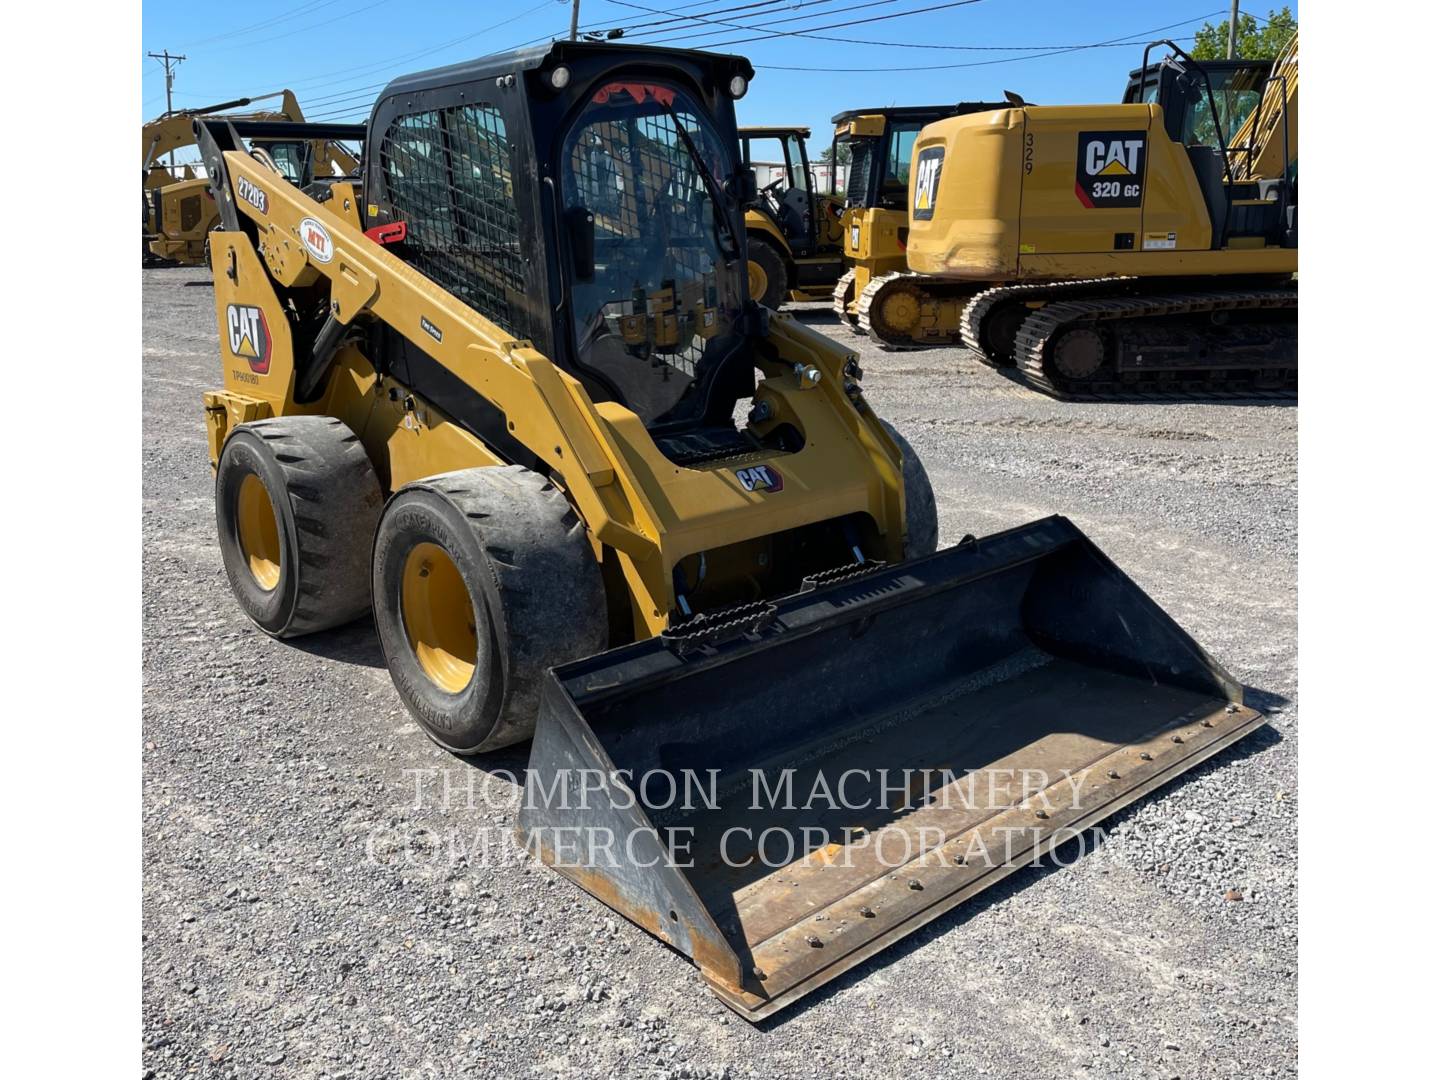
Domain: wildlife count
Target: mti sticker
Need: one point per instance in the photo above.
(316, 240)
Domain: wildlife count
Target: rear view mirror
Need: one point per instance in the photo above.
(580, 229)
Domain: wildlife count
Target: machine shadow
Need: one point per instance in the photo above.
(1248, 399)
(354, 643)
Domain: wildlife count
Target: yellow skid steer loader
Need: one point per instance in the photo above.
(490, 391)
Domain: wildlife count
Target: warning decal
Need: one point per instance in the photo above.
(1110, 168)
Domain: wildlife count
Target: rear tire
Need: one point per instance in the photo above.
(483, 579)
(922, 523)
(296, 503)
(767, 267)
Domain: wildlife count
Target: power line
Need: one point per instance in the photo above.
(808, 31)
(1141, 35)
(1114, 44)
(356, 93)
(694, 22)
(303, 9)
(1050, 49)
(348, 89)
(672, 18)
(697, 30)
(405, 58)
(347, 14)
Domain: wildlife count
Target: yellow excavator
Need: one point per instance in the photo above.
(793, 230)
(179, 210)
(1149, 246)
(878, 143)
(505, 389)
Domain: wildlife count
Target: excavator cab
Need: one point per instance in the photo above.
(1206, 106)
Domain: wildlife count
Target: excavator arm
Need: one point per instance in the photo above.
(1266, 145)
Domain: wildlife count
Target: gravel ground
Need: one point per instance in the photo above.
(314, 902)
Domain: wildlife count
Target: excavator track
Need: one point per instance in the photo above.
(840, 298)
(913, 334)
(973, 331)
(863, 308)
(1148, 317)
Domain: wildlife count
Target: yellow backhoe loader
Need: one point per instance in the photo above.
(502, 391)
(792, 230)
(179, 210)
(1108, 250)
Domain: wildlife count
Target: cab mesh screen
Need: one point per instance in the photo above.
(447, 175)
(857, 184)
(639, 179)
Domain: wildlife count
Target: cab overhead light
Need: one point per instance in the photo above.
(738, 86)
(560, 77)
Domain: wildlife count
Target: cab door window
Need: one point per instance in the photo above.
(448, 177)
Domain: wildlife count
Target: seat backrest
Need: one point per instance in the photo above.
(1209, 166)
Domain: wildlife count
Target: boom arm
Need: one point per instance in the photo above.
(176, 130)
(1260, 145)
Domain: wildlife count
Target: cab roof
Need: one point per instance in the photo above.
(913, 112)
(763, 130)
(559, 52)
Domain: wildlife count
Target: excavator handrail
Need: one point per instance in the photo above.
(1214, 112)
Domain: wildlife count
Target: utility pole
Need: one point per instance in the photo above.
(575, 19)
(171, 63)
(1230, 45)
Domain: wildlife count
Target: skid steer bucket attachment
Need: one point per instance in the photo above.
(781, 791)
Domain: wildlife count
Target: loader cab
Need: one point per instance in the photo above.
(784, 184)
(588, 198)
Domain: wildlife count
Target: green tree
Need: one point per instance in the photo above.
(1252, 41)
(844, 156)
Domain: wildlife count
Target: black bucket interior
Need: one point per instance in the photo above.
(864, 710)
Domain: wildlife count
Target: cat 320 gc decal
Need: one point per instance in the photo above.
(1110, 169)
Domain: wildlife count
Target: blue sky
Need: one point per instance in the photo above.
(335, 54)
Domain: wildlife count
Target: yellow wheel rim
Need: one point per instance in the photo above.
(759, 280)
(259, 533)
(902, 311)
(439, 618)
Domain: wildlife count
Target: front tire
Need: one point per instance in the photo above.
(483, 579)
(296, 503)
(768, 276)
